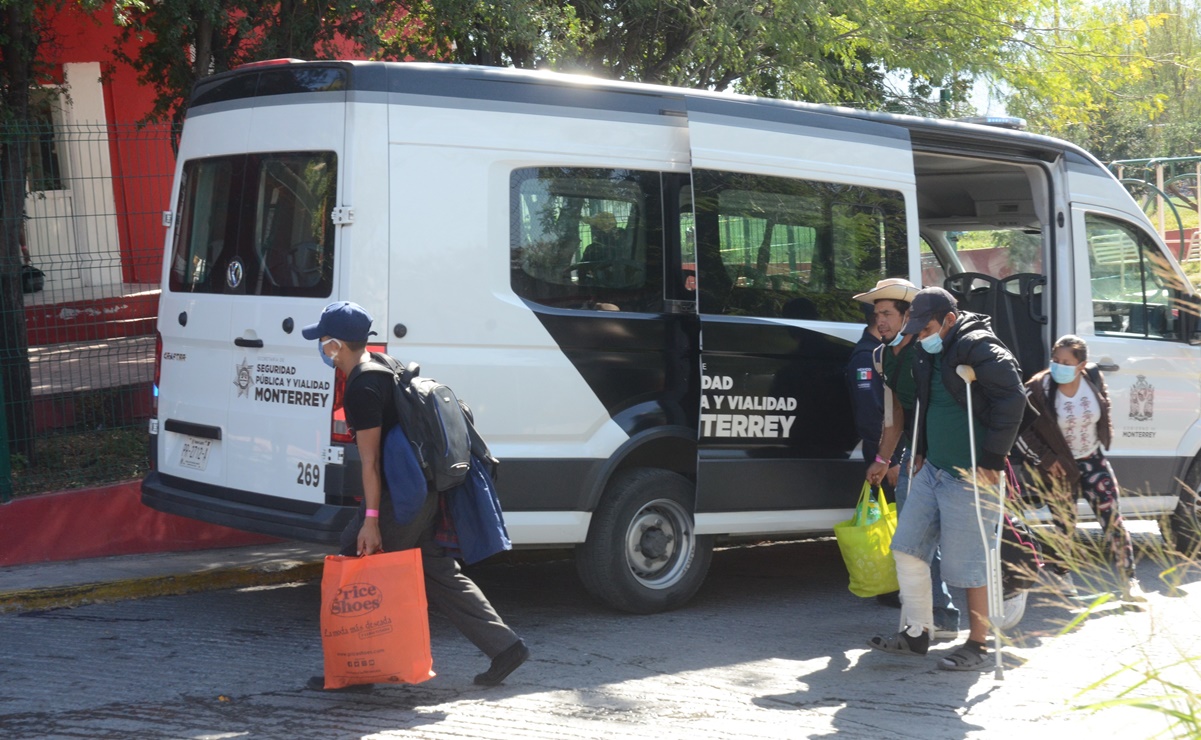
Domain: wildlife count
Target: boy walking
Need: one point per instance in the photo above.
(341, 336)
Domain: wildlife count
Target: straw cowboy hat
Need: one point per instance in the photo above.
(896, 289)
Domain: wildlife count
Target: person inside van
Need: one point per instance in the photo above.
(893, 360)
(341, 336)
(1066, 444)
(940, 510)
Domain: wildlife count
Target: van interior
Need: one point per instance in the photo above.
(983, 240)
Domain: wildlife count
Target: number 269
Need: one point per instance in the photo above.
(308, 475)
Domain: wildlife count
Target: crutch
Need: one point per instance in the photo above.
(992, 554)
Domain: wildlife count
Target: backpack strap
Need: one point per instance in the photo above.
(379, 363)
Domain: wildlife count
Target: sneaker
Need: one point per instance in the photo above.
(504, 664)
(1132, 592)
(1061, 583)
(317, 683)
(945, 633)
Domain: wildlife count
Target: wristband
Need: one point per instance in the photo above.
(373, 513)
(882, 460)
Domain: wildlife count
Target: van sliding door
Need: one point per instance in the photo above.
(793, 213)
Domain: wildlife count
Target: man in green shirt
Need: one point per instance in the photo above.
(940, 510)
(894, 358)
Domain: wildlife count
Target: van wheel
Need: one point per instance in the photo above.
(1182, 531)
(642, 554)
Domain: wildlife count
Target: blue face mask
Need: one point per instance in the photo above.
(933, 343)
(321, 351)
(897, 340)
(1063, 374)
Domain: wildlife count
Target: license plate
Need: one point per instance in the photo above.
(195, 453)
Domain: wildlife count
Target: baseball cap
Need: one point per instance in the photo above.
(925, 304)
(343, 320)
(895, 289)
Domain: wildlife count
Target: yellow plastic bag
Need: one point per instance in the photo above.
(865, 542)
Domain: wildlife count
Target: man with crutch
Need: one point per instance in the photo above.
(941, 510)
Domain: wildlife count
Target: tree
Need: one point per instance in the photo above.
(182, 41)
(871, 53)
(1148, 105)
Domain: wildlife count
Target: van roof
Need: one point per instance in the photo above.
(363, 80)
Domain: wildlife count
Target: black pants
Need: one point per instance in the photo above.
(446, 588)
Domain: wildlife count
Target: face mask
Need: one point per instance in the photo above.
(1063, 374)
(321, 351)
(897, 340)
(933, 343)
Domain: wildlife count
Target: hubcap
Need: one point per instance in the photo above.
(660, 543)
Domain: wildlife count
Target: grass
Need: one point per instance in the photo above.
(82, 459)
(1166, 685)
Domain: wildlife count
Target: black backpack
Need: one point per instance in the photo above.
(437, 423)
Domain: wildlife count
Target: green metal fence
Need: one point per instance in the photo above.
(83, 227)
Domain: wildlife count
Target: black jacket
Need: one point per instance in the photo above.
(998, 397)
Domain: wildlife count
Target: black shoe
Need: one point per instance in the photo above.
(892, 598)
(317, 683)
(504, 664)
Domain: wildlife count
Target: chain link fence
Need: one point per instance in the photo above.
(78, 393)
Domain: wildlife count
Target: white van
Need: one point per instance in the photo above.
(643, 292)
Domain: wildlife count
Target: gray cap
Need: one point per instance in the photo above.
(927, 303)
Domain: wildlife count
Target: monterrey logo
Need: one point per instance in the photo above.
(354, 599)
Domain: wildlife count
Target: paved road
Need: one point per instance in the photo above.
(773, 647)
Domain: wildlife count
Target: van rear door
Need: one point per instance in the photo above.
(245, 402)
(795, 212)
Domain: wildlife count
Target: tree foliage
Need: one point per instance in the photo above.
(1130, 86)
(181, 41)
(862, 52)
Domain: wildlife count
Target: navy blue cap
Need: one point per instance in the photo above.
(343, 320)
(923, 307)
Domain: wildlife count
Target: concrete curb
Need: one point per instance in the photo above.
(59, 597)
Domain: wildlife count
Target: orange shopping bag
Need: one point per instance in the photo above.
(374, 621)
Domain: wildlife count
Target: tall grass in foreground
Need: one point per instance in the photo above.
(1167, 685)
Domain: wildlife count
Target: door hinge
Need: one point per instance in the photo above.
(168, 218)
(333, 455)
(342, 216)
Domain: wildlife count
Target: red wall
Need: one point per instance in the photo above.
(143, 163)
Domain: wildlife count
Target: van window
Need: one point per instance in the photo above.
(1133, 286)
(257, 224)
(777, 247)
(587, 238)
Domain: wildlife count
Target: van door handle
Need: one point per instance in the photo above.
(242, 342)
(1108, 367)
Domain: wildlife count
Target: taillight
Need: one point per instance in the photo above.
(158, 369)
(269, 63)
(339, 430)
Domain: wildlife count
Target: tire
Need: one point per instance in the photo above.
(645, 511)
(1182, 530)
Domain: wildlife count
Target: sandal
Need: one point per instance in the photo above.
(965, 658)
(901, 644)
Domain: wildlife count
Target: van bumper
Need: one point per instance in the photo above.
(269, 515)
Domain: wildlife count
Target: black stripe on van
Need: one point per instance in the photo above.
(641, 367)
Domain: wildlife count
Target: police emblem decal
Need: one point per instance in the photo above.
(243, 378)
(233, 273)
(1142, 399)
